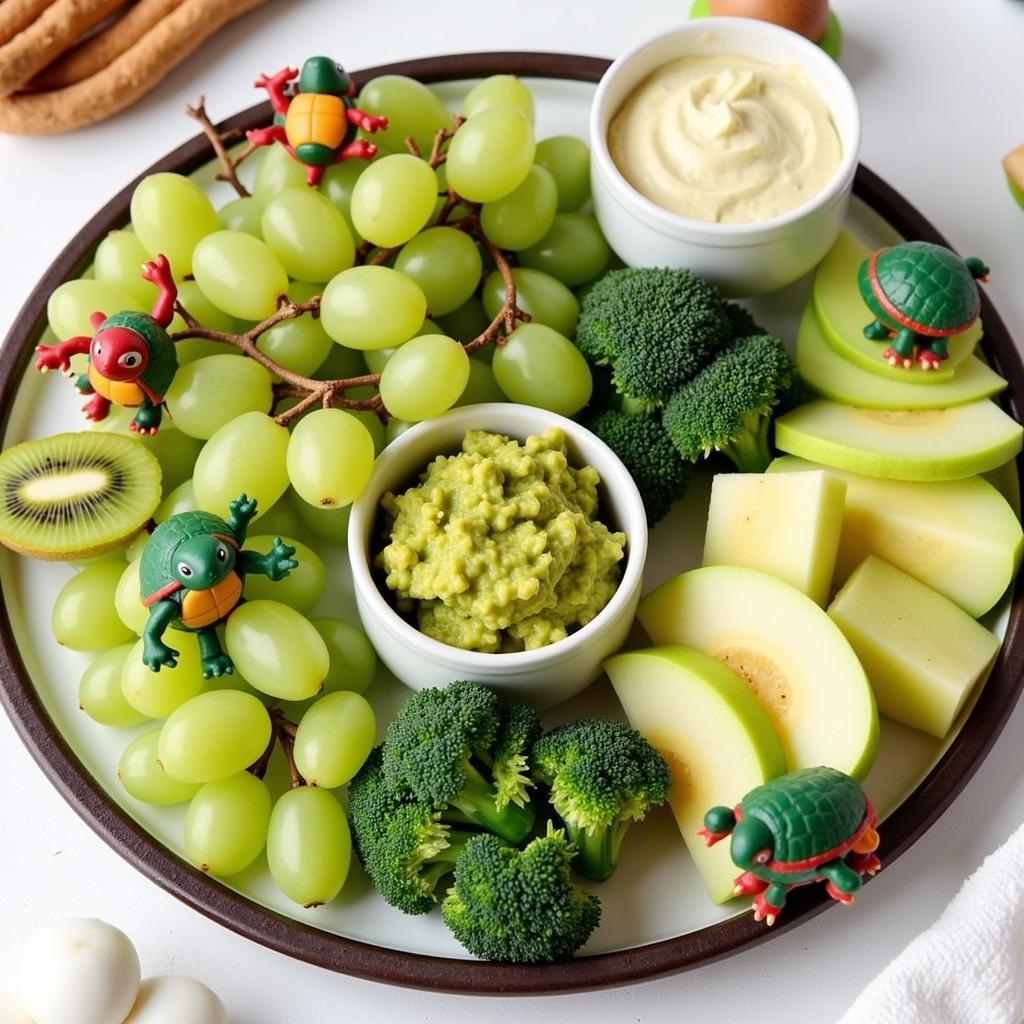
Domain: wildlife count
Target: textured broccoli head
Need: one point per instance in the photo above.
(518, 730)
(519, 906)
(653, 328)
(728, 406)
(603, 776)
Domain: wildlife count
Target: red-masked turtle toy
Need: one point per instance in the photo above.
(131, 356)
(815, 825)
(318, 124)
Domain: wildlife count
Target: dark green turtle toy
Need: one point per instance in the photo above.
(191, 576)
(920, 294)
(815, 825)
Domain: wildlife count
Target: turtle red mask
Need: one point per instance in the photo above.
(119, 354)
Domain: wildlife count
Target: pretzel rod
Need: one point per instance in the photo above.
(16, 15)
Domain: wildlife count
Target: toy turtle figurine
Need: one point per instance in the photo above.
(191, 576)
(131, 356)
(318, 125)
(920, 294)
(808, 826)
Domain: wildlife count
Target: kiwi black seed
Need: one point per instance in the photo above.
(73, 496)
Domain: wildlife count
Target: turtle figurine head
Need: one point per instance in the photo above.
(752, 844)
(120, 349)
(322, 75)
(200, 563)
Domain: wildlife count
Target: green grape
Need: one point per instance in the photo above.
(337, 184)
(71, 304)
(490, 155)
(353, 659)
(176, 452)
(396, 428)
(424, 377)
(181, 499)
(446, 264)
(393, 198)
(538, 366)
(465, 323)
(481, 387)
(143, 776)
(373, 425)
(327, 523)
(308, 234)
(207, 394)
(277, 650)
(334, 738)
(282, 520)
(411, 109)
(574, 250)
(377, 358)
(246, 456)
(226, 824)
(372, 307)
(309, 847)
(191, 296)
(277, 171)
(128, 599)
(84, 617)
(524, 216)
(330, 458)
(214, 735)
(116, 557)
(567, 159)
(299, 345)
(239, 274)
(243, 214)
(301, 588)
(544, 297)
(99, 692)
(341, 363)
(158, 694)
(499, 91)
(137, 546)
(171, 214)
(118, 260)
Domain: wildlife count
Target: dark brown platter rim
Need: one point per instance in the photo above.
(364, 960)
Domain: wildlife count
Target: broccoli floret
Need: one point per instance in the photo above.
(648, 453)
(741, 323)
(518, 729)
(441, 746)
(519, 906)
(654, 328)
(729, 405)
(603, 776)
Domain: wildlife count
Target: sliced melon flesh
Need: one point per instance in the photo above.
(924, 444)
(843, 316)
(828, 374)
(960, 537)
(788, 651)
(785, 524)
(1006, 480)
(717, 740)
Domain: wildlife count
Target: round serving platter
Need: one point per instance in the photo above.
(656, 916)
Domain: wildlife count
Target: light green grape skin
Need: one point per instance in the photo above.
(301, 588)
(372, 307)
(84, 617)
(396, 428)
(276, 650)
(71, 304)
(308, 234)
(191, 296)
(176, 452)
(573, 251)
(119, 556)
(282, 519)
(128, 599)
(374, 427)
(393, 198)
(181, 499)
(334, 738)
(499, 91)
(137, 546)
(538, 366)
(567, 159)
(341, 363)
(242, 214)
(226, 824)
(482, 387)
(337, 184)
(99, 692)
(118, 260)
(239, 274)
(353, 659)
(525, 215)
(446, 264)
(207, 394)
(277, 171)
(330, 458)
(424, 377)
(544, 297)
(490, 155)
(309, 847)
(299, 345)
(377, 358)
(171, 214)
(158, 694)
(411, 109)
(327, 523)
(214, 735)
(144, 778)
(465, 323)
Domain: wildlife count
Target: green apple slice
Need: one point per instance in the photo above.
(901, 444)
(717, 740)
(960, 537)
(830, 375)
(787, 650)
(843, 316)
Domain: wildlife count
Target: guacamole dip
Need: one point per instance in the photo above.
(498, 547)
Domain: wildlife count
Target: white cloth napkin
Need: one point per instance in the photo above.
(968, 967)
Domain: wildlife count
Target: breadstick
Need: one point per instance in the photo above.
(127, 77)
(18, 14)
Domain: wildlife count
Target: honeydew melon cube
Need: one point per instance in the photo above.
(784, 524)
(716, 739)
(922, 653)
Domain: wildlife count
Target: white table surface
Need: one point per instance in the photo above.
(939, 83)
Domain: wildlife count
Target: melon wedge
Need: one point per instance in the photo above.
(924, 444)
(787, 650)
(1006, 480)
(717, 740)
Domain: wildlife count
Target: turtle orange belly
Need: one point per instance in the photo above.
(205, 607)
(121, 392)
(317, 118)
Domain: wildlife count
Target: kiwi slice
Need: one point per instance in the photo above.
(75, 495)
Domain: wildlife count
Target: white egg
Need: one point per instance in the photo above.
(11, 1010)
(174, 999)
(79, 970)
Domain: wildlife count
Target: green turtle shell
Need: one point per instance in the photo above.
(808, 812)
(155, 567)
(162, 361)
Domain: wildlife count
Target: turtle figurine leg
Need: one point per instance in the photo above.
(901, 351)
(768, 904)
(215, 661)
(240, 513)
(147, 419)
(83, 385)
(877, 331)
(930, 357)
(275, 564)
(96, 408)
(843, 881)
(748, 884)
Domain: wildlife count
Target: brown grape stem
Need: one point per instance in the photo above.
(229, 164)
(288, 749)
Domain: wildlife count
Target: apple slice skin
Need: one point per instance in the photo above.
(715, 737)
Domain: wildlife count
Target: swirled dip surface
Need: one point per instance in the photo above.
(498, 547)
(726, 139)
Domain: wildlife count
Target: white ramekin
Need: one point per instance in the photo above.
(542, 677)
(742, 259)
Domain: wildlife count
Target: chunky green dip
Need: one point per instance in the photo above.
(498, 547)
